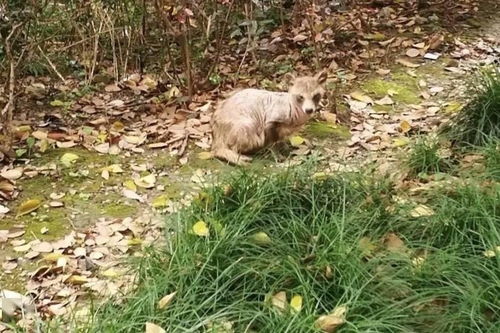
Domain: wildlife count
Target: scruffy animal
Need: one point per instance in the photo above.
(251, 119)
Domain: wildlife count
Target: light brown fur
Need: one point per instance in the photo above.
(251, 119)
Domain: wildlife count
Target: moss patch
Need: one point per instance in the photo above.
(323, 130)
(403, 85)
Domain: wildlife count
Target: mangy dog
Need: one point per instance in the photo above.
(251, 119)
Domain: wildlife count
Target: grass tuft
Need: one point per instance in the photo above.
(337, 241)
(479, 121)
(427, 157)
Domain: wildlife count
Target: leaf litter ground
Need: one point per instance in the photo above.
(126, 173)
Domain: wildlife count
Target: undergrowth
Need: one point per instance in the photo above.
(479, 120)
(427, 157)
(343, 240)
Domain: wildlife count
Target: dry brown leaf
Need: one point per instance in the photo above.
(279, 301)
(412, 53)
(329, 323)
(12, 174)
(422, 210)
(407, 63)
(359, 96)
(166, 300)
(153, 328)
(405, 126)
(43, 247)
(394, 244)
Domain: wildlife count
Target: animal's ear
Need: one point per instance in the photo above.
(321, 77)
(288, 79)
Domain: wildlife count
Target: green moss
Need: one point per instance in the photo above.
(323, 130)
(402, 84)
(118, 210)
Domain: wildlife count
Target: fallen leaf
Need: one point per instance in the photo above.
(160, 201)
(359, 96)
(394, 244)
(422, 210)
(261, 238)
(53, 257)
(200, 228)
(28, 207)
(385, 101)
(103, 148)
(279, 301)
(44, 230)
(112, 88)
(56, 204)
(80, 252)
(12, 174)
(166, 300)
(132, 195)
(43, 247)
(296, 141)
(4, 210)
(68, 159)
(405, 126)
(412, 53)
(330, 118)
(76, 279)
(296, 303)
(329, 323)
(153, 328)
(407, 63)
(205, 155)
(111, 273)
(400, 142)
(130, 185)
(146, 181)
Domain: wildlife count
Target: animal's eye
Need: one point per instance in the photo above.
(317, 97)
(300, 98)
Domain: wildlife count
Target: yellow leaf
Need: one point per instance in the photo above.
(329, 323)
(261, 238)
(117, 126)
(405, 126)
(53, 257)
(166, 300)
(279, 301)
(28, 207)
(146, 181)
(160, 201)
(68, 159)
(130, 185)
(200, 228)
(296, 140)
(421, 210)
(400, 142)
(358, 95)
(330, 118)
(296, 303)
(77, 279)
(114, 168)
(205, 155)
(320, 176)
(134, 242)
(110, 273)
(153, 328)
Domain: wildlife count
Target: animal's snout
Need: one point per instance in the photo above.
(309, 111)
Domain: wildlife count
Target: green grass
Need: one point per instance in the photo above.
(315, 227)
(492, 159)
(478, 121)
(427, 157)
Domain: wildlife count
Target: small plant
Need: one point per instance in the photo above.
(428, 157)
(492, 159)
(479, 121)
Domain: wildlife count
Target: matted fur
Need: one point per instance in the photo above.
(251, 119)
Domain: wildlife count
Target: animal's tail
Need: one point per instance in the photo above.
(231, 156)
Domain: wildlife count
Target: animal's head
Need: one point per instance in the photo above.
(307, 91)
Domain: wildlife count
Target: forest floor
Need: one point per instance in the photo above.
(78, 209)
